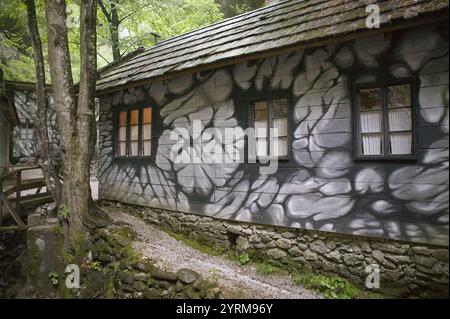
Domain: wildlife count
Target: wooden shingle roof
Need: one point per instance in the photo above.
(288, 23)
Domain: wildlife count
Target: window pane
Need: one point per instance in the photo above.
(261, 147)
(370, 99)
(134, 148)
(400, 120)
(147, 115)
(401, 143)
(279, 109)
(123, 133)
(147, 148)
(134, 117)
(399, 96)
(123, 118)
(280, 126)
(122, 149)
(370, 122)
(372, 144)
(147, 131)
(134, 132)
(261, 129)
(280, 147)
(261, 110)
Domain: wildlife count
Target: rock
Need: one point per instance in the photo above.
(288, 235)
(140, 276)
(283, 243)
(388, 248)
(187, 276)
(398, 259)
(351, 260)
(276, 253)
(309, 255)
(379, 257)
(139, 286)
(254, 239)
(127, 288)
(191, 294)
(164, 275)
(103, 257)
(319, 247)
(235, 229)
(420, 250)
(295, 251)
(123, 241)
(242, 243)
(213, 293)
(427, 262)
(126, 277)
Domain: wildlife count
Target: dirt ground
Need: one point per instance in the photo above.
(236, 281)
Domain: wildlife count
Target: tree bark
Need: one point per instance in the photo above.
(76, 119)
(112, 16)
(44, 158)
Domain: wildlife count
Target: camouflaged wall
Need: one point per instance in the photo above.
(322, 186)
(24, 134)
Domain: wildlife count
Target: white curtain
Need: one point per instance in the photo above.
(401, 143)
(400, 120)
(371, 133)
(372, 144)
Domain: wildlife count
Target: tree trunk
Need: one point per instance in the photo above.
(76, 119)
(114, 29)
(112, 16)
(43, 146)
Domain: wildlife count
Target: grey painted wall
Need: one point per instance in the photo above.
(24, 148)
(322, 186)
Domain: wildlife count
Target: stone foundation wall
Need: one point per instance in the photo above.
(406, 269)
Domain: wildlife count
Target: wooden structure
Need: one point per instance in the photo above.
(13, 203)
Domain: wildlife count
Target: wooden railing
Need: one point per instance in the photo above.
(12, 183)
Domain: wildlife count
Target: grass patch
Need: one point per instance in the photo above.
(198, 245)
(332, 287)
(267, 269)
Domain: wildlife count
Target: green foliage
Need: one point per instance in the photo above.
(243, 258)
(266, 269)
(141, 18)
(214, 274)
(197, 244)
(54, 278)
(63, 211)
(230, 8)
(332, 287)
(96, 265)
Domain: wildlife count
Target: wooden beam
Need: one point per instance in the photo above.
(11, 210)
(13, 228)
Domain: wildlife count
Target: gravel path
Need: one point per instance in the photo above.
(236, 281)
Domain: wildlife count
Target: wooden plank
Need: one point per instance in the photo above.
(12, 228)
(11, 210)
(26, 185)
(36, 199)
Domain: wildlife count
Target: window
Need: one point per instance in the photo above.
(26, 132)
(134, 132)
(385, 122)
(270, 114)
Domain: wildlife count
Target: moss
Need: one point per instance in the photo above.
(267, 269)
(197, 244)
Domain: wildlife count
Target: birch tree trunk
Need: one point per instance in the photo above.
(76, 118)
(43, 145)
